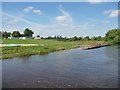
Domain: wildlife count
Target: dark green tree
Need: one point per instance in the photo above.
(117, 39)
(113, 35)
(93, 38)
(38, 36)
(28, 32)
(16, 34)
(80, 38)
(6, 34)
(75, 38)
(49, 37)
(22, 35)
(99, 38)
(65, 39)
(87, 38)
(55, 37)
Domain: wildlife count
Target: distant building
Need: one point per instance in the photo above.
(37, 38)
(23, 38)
(9, 37)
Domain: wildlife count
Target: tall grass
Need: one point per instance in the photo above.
(49, 46)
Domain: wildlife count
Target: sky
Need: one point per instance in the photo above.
(60, 18)
(60, 0)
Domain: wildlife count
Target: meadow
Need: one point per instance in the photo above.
(49, 46)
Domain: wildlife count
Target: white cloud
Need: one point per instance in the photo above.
(15, 22)
(28, 9)
(61, 18)
(31, 9)
(112, 13)
(37, 11)
(107, 11)
(47, 29)
(65, 19)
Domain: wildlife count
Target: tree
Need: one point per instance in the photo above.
(93, 38)
(49, 37)
(65, 39)
(38, 36)
(87, 38)
(55, 37)
(6, 34)
(117, 39)
(22, 35)
(113, 35)
(102, 38)
(42, 38)
(99, 38)
(80, 38)
(28, 32)
(16, 34)
(75, 38)
(58, 37)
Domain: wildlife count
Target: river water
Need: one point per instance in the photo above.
(75, 68)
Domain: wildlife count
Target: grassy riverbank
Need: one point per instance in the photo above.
(49, 46)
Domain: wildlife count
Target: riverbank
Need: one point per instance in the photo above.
(44, 47)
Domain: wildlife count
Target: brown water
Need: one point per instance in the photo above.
(97, 68)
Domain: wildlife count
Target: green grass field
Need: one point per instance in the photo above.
(19, 41)
(49, 46)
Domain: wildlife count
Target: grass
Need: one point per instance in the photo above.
(50, 46)
(19, 41)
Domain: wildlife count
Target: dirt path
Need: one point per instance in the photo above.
(3, 45)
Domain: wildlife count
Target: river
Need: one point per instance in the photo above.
(75, 68)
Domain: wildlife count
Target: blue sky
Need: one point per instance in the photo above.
(60, 18)
(60, 0)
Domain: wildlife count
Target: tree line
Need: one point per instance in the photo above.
(75, 38)
(112, 36)
(27, 33)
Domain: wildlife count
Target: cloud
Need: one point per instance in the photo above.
(112, 13)
(37, 11)
(61, 18)
(11, 22)
(31, 9)
(28, 9)
(15, 19)
(65, 19)
(62, 25)
(51, 29)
